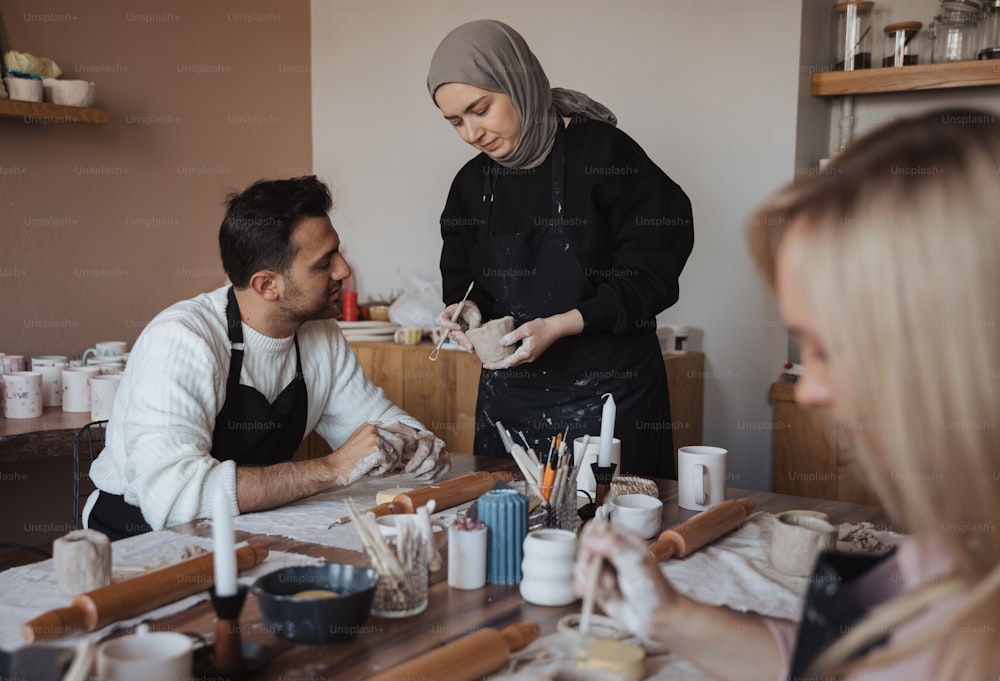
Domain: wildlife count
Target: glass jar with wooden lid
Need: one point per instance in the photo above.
(901, 44)
(853, 20)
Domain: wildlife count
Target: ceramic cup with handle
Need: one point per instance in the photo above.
(701, 477)
(50, 367)
(22, 395)
(76, 388)
(146, 656)
(640, 513)
(105, 349)
(102, 395)
(408, 335)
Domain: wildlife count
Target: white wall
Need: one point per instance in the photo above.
(709, 91)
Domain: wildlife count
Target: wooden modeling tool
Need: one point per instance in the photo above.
(454, 317)
(702, 529)
(98, 608)
(446, 494)
(466, 659)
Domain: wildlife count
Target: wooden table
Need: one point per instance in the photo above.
(451, 613)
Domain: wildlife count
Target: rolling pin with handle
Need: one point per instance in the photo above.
(467, 659)
(447, 494)
(702, 529)
(98, 608)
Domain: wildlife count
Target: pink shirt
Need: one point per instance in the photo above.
(913, 565)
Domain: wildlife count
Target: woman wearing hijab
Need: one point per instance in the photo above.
(563, 223)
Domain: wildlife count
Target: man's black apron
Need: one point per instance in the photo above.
(534, 273)
(248, 430)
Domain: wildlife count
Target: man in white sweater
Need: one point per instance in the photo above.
(221, 389)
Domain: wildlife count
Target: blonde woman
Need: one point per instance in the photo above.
(887, 269)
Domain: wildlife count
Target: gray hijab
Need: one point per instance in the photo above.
(491, 55)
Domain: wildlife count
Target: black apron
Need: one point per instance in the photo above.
(248, 430)
(829, 610)
(532, 273)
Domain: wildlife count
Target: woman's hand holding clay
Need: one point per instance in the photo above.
(642, 600)
(469, 314)
(425, 454)
(536, 336)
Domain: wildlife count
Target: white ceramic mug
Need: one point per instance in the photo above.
(639, 513)
(585, 478)
(547, 567)
(50, 367)
(102, 395)
(146, 656)
(105, 349)
(76, 388)
(12, 363)
(408, 335)
(22, 395)
(701, 477)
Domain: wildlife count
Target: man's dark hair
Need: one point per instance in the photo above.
(256, 231)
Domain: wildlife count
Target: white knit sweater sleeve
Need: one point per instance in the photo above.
(159, 440)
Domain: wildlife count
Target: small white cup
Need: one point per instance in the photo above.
(639, 513)
(102, 395)
(701, 477)
(146, 656)
(408, 335)
(467, 558)
(22, 395)
(76, 388)
(50, 367)
(585, 478)
(105, 349)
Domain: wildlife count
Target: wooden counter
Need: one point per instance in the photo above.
(813, 456)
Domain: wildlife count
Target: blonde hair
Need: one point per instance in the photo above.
(901, 265)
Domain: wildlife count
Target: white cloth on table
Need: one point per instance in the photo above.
(30, 590)
(159, 436)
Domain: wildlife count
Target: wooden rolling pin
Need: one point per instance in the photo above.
(467, 659)
(446, 494)
(98, 608)
(702, 529)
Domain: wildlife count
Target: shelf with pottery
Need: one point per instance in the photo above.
(44, 113)
(960, 74)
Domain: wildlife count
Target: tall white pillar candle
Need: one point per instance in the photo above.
(607, 431)
(225, 546)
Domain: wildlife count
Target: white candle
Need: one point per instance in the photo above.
(225, 546)
(607, 431)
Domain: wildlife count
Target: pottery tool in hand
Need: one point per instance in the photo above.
(466, 659)
(446, 494)
(702, 529)
(454, 317)
(98, 608)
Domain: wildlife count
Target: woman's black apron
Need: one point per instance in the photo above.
(531, 273)
(248, 430)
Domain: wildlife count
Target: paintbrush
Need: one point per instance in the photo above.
(454, 317)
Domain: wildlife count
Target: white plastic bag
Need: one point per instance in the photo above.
(419, 305)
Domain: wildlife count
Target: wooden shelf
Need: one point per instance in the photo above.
(41, 113)
(961, 74)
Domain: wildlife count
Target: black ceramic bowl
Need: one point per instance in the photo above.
(316, 620)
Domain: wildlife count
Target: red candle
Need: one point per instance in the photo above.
(350, 306)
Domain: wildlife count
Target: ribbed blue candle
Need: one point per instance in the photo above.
(505, 514)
